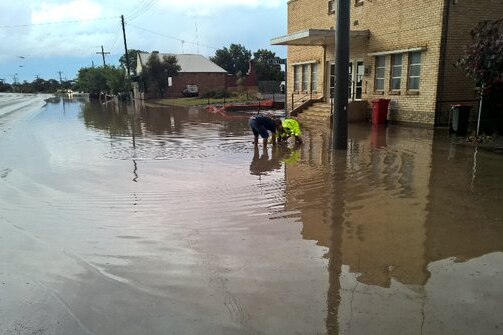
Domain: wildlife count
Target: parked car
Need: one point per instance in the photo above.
(190, 91)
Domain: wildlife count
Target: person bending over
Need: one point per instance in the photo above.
(262, 125)
(287, 128)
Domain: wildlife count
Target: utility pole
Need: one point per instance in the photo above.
(103, 53)
(340, 121)
(125, 47)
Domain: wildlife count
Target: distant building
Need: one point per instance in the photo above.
(402, 50)
(195, 70)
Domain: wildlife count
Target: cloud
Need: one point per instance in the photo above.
(212, 7)
(75, 10)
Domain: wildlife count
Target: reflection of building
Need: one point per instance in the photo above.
(387, 214)
(401, 50)
(385, 199)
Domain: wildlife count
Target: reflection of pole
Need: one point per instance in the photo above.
(340, 121)
(135, 169)
(335, 253)
(474, 169)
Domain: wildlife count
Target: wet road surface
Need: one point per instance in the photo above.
(167, 221)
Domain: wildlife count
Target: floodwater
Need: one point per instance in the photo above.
(166, 221)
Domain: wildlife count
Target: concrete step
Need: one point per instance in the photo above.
(318, 113)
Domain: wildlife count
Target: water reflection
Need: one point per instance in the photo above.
(395, 204)
(169, 216)
(262, 164)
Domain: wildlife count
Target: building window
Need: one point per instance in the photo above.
(332, 6)
(314, 77)
(414, 70)
(296, 77)
(305, 77)
(380, 71)
(396, 71)
(358, 3)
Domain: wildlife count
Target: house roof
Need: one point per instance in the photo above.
(190, 63)
(314, 37)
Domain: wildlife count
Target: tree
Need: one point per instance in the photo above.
(233, 60)
(96, 80)
(4, 87)
(157, 72)
(133, 59)
(483, 58)
(265, 71)
(483, 61)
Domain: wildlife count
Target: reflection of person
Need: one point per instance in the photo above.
(287, 128)
(262, 125)
(261, 164)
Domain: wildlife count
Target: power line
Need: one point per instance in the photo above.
(172, 37)
(140, 11)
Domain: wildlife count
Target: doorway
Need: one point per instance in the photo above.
(356, 72)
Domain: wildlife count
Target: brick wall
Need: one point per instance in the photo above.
(396, 25)
(204, 81)
(463, 17)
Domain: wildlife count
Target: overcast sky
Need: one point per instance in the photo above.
(43, 37)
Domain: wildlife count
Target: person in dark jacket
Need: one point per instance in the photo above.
(262, 125)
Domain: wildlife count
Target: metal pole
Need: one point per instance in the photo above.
(480, 108)
(340, 122)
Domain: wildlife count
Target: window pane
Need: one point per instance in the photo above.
(415, 70)
(397, 60)
(314, 77)
(296, 70)
(305, 77)
(415, 58)
(380, 61)
(395, 84)
(380, 73)
(379, 84)
(414, 83)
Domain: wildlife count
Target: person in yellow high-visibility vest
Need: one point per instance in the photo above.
(287, 128)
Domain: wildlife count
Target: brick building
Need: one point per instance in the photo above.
(195, 70)
(402, 50)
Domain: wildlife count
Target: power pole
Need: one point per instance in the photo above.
(340, 121)
(103, 53)
(125, 47)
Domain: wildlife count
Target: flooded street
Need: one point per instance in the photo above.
(167, 221)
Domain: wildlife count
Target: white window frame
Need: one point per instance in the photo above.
(306, 69)
(314, 77)
(297, 75)
(411, 66)
(396, 72)
(380, 79)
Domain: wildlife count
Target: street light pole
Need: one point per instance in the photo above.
(340, 120)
